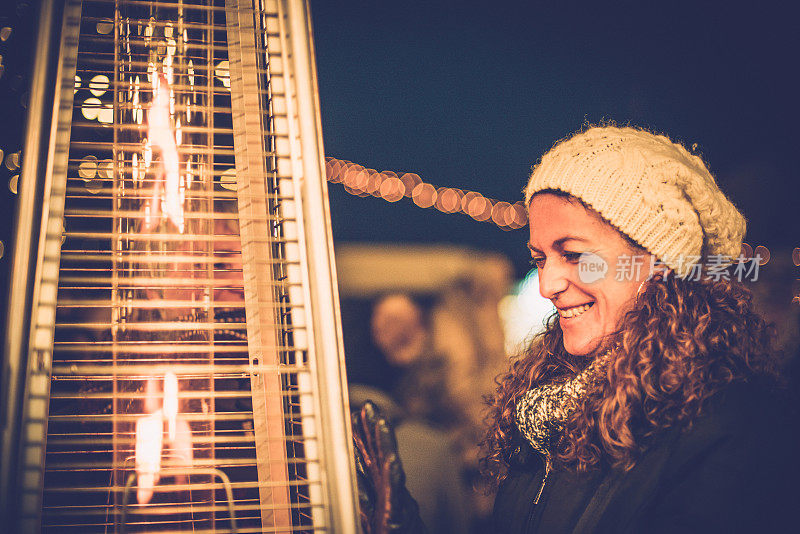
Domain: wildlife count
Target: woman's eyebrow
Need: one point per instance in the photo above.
(559, 243)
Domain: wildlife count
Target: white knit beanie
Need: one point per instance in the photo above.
(651, 189)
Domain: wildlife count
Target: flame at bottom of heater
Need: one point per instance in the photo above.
(150, 441)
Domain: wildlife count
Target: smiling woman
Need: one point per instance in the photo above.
(649, 400)
(567, 239)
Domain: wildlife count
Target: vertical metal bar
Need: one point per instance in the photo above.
(323, 300)
(118, 183)
(32, 302)
(260, 305)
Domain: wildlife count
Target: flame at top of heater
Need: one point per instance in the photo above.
(168, 190)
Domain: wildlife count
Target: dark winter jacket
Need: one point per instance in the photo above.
(732, 471)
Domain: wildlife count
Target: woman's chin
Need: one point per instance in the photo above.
(581, 345)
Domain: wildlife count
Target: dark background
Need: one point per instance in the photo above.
(470, 95)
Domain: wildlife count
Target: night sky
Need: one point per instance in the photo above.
(470, 95)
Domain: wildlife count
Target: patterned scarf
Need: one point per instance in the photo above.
(542, 411)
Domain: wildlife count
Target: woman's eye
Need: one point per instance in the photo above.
(538, 262)
(573, 257)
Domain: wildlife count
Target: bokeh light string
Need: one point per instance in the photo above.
(392, 187)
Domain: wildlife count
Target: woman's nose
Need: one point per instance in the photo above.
(553, 279)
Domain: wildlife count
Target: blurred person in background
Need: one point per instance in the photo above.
(421, 412)
(448, 363)
(401, 332)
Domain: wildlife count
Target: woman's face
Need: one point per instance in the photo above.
(571, 246)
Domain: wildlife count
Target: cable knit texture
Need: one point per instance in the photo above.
(651, 189)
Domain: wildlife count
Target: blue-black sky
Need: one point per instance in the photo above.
(470, 95)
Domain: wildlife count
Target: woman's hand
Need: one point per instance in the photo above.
(386, 506)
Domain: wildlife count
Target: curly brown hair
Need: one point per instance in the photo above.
(681, 342)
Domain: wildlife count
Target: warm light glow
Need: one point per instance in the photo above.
(466, 199)
(91, 108)
(104, 28)
(138, 113)
(149, 435)
(499, 213)
(105, 169)
(479, 208)
(747, 251)
(424, 195)
(228, 179)
(448, 200)
(162, 136)
(520, 214)
(410, 181)
(374, 184)
(150, 440)
(762, 254)
(135, 168)
(392, 189)
(87, 168)
(171, 403)
(105, 115)
(341, 170)
(360, 181)
(223, 73)
(99, 84)
(510, 216)
(350, 174)
(331, 168)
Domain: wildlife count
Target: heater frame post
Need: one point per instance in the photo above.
(34, 273)
(250, 133)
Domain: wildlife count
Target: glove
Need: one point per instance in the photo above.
(385, 504)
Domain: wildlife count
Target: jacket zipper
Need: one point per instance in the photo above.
(533, 507)
(544, 479)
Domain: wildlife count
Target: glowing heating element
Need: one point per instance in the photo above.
(150, 440)
(162, 137)
(149, 435)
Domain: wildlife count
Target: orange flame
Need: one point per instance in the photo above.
(150, 440)
(149, 433)
(162, 136)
